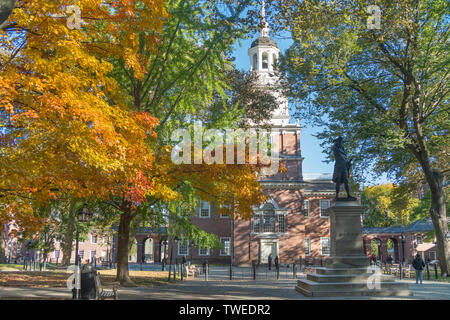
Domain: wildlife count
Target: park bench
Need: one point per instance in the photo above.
(103, 294)
(192, 270)
(395, 269)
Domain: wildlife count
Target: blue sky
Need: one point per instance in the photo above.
(311, 149)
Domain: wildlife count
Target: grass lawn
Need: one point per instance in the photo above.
(58, 278)
(10, 267)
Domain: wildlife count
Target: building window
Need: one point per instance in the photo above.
(81, 254)
(105, 240)
(275, 62)
(93, 255)
(205, 210)
(306, 208)
(269, 222)
(432, 255)
(93, 239)
(307, 246)
(225, 251)
(255, 62)
(419, 240)
(257, 224)
(325, 246)
(223, 215)
(56, 253)
(203, 251)
(324, 205)
(265, 60)
(183, 247)
(281, 225)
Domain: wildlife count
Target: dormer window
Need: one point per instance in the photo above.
(265, 61)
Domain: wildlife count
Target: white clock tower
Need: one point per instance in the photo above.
(263, 55)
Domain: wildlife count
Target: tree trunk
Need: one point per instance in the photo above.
(68, 236)
(122, 248)
(438, 213)
(438, 210)
(2, 250)
(435, 180)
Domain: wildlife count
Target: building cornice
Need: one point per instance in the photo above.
(282, 184)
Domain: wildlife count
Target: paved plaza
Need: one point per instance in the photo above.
(219, 287)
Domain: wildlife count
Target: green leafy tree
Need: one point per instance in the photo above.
(388, 205)
(385, 89)
(183, 82)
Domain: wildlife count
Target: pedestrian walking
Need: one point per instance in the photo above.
(418, 265)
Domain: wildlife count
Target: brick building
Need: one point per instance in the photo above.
(293, 223)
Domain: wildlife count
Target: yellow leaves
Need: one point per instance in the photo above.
(75, 135)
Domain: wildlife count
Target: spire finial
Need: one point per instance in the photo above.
(264, 32)
(263, 10)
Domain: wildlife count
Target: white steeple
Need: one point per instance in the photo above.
(263, 55)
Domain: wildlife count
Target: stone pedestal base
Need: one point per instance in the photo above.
(347, 271)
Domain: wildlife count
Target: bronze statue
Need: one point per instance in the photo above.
(341, 169)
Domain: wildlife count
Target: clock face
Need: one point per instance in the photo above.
(6, 7)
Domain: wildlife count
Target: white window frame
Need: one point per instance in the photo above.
(222, 251)
(320, 207)
(307, 246)
(202, 208)
(306, 205)
(265, 227)
(256, 218)
(417, 239)
(284, 223)
(187, 247)
(322, 247)
(224, 216)
(203, 254)
(96, 239)
(90, 254)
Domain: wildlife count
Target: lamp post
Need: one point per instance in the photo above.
(171, 255)
(83, 215)
(402, 237)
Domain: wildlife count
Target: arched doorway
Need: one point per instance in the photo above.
(393, 250)
(375, 248)
(148, 250)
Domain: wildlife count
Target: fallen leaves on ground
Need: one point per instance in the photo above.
(58, 279)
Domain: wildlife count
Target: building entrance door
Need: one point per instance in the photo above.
(268, 248)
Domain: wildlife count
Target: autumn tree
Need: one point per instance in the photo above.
(180, 83)
(383, 87)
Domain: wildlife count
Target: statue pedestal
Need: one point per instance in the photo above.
(347, 272)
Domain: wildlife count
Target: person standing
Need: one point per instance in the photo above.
(389, 259)
(418, 265)
(270, 261)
